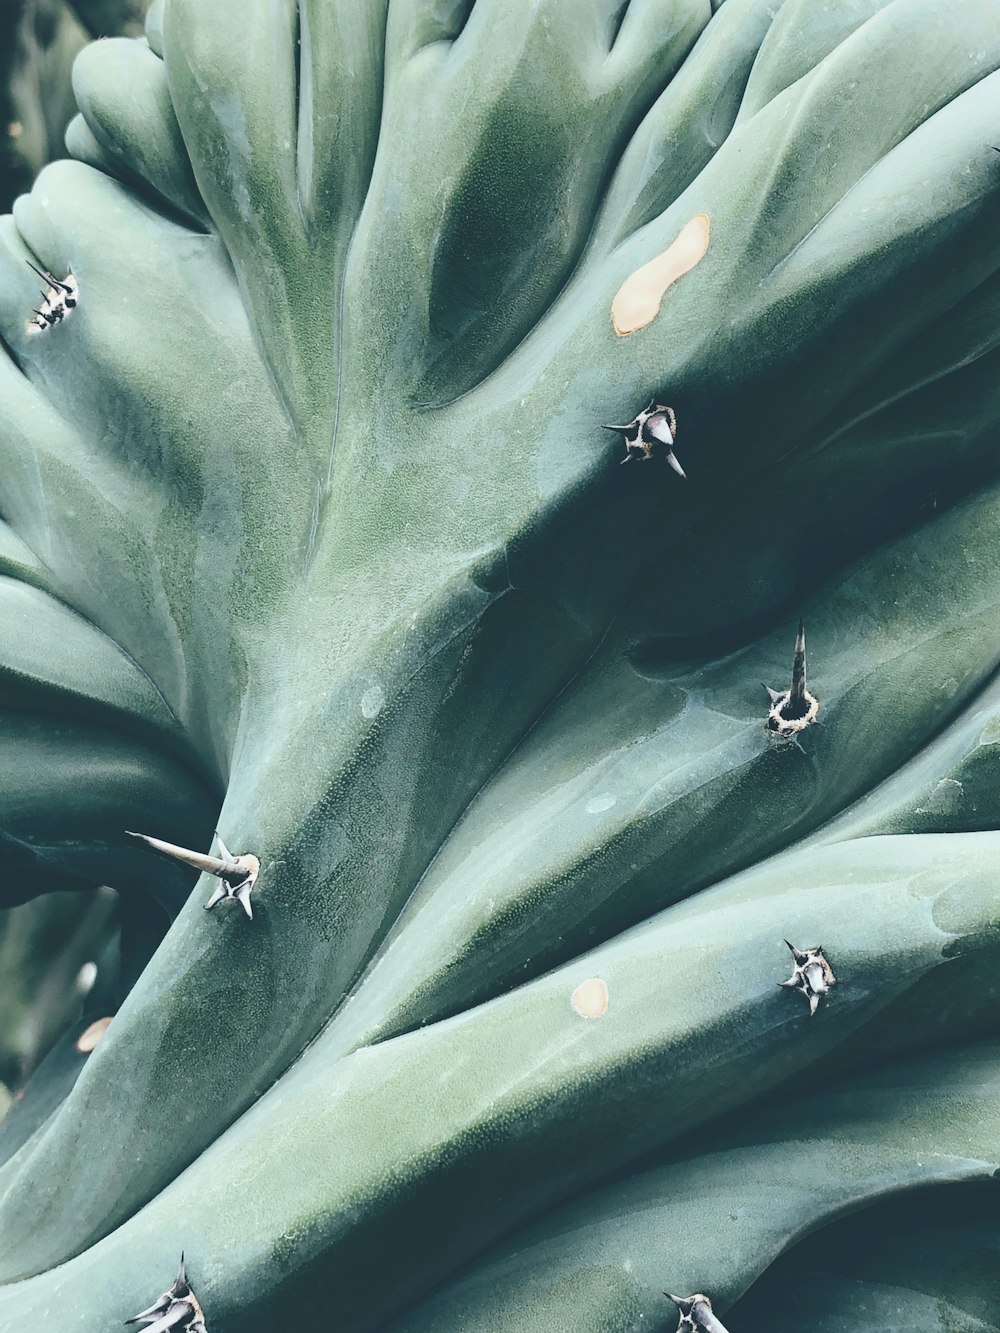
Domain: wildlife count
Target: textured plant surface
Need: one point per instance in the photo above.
(312, 535)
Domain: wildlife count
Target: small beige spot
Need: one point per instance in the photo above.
(637, 301)
(590, 999)
(89, 1038)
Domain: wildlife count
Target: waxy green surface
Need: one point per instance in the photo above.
(310, 533)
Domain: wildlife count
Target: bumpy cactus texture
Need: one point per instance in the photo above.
(311, 535)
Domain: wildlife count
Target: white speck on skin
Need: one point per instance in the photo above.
(373, 701)
(602, 802)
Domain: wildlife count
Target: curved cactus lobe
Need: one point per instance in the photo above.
(281, 142)
(127, 124)
(928, 1259)
(723, 1214)
(450, 1117)
(514, 198)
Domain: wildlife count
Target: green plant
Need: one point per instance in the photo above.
(312, 534)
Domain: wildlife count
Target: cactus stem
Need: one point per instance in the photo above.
(177, 1309)
(811, 974)
(794, 709)
(696, 1313)
(238, 874)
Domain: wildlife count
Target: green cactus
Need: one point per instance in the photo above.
(311, 536)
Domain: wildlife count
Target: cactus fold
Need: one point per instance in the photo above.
(310, 533)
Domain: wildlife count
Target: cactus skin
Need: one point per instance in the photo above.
(320, 542)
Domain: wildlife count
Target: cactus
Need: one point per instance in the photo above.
(314, 547)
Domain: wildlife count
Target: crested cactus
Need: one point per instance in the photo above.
(312, 542)
(39, 40)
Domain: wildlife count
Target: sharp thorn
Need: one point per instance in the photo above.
(223, 848)
(659, 429)
(672, 460)
(218, 894)
(797, 694)
(179, 1312)
(208, 865)
(151, 1312)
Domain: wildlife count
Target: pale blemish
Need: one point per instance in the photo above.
(637, 301)
(90, 1036)
(597, 804)
(590, 999)
(373, 701)
(945, 799)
